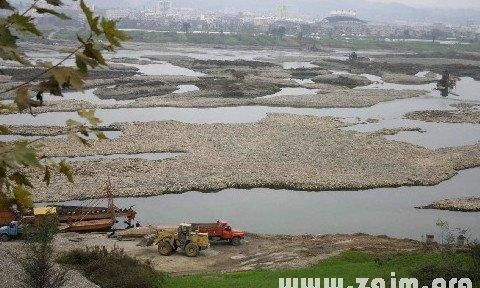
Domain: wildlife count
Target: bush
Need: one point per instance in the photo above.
(112, 269)
(38, 262)
(475, 254)
(445, 269)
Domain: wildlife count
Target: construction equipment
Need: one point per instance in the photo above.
(11, 231)
(137, 232)
(170, 239)
(220, 230)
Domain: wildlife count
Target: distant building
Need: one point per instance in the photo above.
(163, 7)
(117, 13)
(344, 23)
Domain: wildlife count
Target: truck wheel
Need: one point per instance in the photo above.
(4, 238)
(192, 250)
(164, 248)
(236, 241)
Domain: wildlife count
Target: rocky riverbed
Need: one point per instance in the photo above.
(465, 113)
(281, 151)
(471, 204)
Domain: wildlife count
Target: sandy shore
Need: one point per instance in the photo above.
(256, 252)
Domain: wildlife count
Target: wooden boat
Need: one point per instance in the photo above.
(88, 226)
(76, 213)
(138, 232)
(86, 218)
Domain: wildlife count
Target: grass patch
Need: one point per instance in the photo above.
(112, 269)
(265, 40)
(349, 265)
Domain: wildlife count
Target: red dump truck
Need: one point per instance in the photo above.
(220, 230)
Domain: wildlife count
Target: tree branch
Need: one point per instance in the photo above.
(9, 24)
(46, 71)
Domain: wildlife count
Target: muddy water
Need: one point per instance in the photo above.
(186, 88)
(296, 65)
(164, 68)
(293, 91)
(385, 211)
(87, 96)
(390, 115)
(378, 211)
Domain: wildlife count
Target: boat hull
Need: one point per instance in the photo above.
(89, 226)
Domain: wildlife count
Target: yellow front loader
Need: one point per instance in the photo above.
(170, 239)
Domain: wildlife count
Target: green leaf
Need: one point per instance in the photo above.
(83, 130)
(20, 179)
(4, 130)
(67, 76)
(89, 114)
(72, 123)
(6, 37)
(22, 99)
(51, 86)
(91, 52)
(82, 140)
(66, 170)
(91, 19)
(13, 54)
(113, 35)
(22, 197)
(24, 23)
(5, 202)
(5, 5)
(83, 62)
(81, 65)
(24, 154)
(101, 135)
(47, 176)
(54, 2)
(66, 49)
(41, 10)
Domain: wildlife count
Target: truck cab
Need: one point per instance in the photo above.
(220, 230)
(11, 231)
(233, 235)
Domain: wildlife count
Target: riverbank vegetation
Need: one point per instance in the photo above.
(349, 265)
(112, 268)
(116, 269)
(267, 40)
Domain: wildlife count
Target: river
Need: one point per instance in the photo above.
(387, 211)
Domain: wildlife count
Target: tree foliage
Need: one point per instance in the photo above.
(38, 263)
(17, 157)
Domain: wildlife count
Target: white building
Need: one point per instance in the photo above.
(117, 13)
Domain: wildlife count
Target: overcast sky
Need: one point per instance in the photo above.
(439, 3)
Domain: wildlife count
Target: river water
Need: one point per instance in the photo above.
(384, 211)
(387, 211)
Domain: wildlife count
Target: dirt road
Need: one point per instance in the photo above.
(256, 251)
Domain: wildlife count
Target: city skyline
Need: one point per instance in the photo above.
(435, 3)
